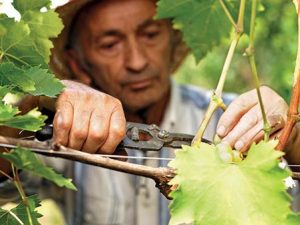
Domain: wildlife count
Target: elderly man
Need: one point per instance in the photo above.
(115, 47)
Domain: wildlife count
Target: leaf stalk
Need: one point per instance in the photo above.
(228, 14)
(21, 191)
(250, 53)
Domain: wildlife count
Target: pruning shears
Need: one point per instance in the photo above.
(140, 137)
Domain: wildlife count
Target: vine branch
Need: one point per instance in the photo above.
(161, 175)
(293, 114)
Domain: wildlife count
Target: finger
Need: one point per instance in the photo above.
(98, 132)
(276, 135)
(246, 123)
(254, 135)
(276, 122)
(257, 133)
(235, 111)
(80, 128)
(117, 130)
(62, 123)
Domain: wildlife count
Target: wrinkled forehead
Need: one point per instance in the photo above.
(108, 12)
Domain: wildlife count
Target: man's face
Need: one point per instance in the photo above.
(128, 54)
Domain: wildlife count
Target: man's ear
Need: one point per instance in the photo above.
(80, 73)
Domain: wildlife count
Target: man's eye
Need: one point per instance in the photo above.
(108, 45)
(152, 35)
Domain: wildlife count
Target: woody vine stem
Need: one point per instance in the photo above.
(293, 114)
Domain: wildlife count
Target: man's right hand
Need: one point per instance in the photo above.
(88, 120)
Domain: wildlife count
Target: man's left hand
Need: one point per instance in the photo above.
(242, 124)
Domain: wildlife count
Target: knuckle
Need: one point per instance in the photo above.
(249, 120)
(64, 125)
(117, 103)
(97, 136)
(78, 134)
(118, 131)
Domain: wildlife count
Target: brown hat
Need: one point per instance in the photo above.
(67, 13)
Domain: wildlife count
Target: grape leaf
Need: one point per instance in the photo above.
(203, 23)
(4, 90)
(23, 6)
(26, 160)
(8, 217)
(42, 27)
(27, 42)
(211, 191)
(16, 45)
(32, 80)
(293, 219)
(7, 112)
(44, 82)
(31, 121)
(10, 75)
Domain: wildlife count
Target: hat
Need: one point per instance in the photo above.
(58, 63)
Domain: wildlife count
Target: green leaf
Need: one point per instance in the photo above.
(33, 80)
(211, 191)
(42, 27)
(8, 217)
(31, 121)
(3, 31)
(44, 82)
(28, 42)
(17, 46)
(293, 219)
(4, 90)
(7, 112)
(10, 75)
(24, 5)
(26, 160)
(203, 23)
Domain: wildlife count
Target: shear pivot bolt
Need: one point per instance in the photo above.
(163, 134)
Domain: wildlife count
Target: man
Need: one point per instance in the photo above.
(116, 47)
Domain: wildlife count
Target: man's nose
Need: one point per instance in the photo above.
(136, 59)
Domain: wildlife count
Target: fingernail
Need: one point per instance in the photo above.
(239, 145)
(221, 131)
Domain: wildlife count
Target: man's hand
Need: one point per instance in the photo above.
(88, 120)
(242, 123)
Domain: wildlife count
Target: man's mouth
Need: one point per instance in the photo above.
(140, 85)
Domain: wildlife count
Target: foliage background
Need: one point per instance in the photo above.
(276, 41)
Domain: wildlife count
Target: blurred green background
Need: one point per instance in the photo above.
(276, 48)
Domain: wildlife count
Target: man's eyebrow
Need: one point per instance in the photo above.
(109, 33)
(149, 22)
